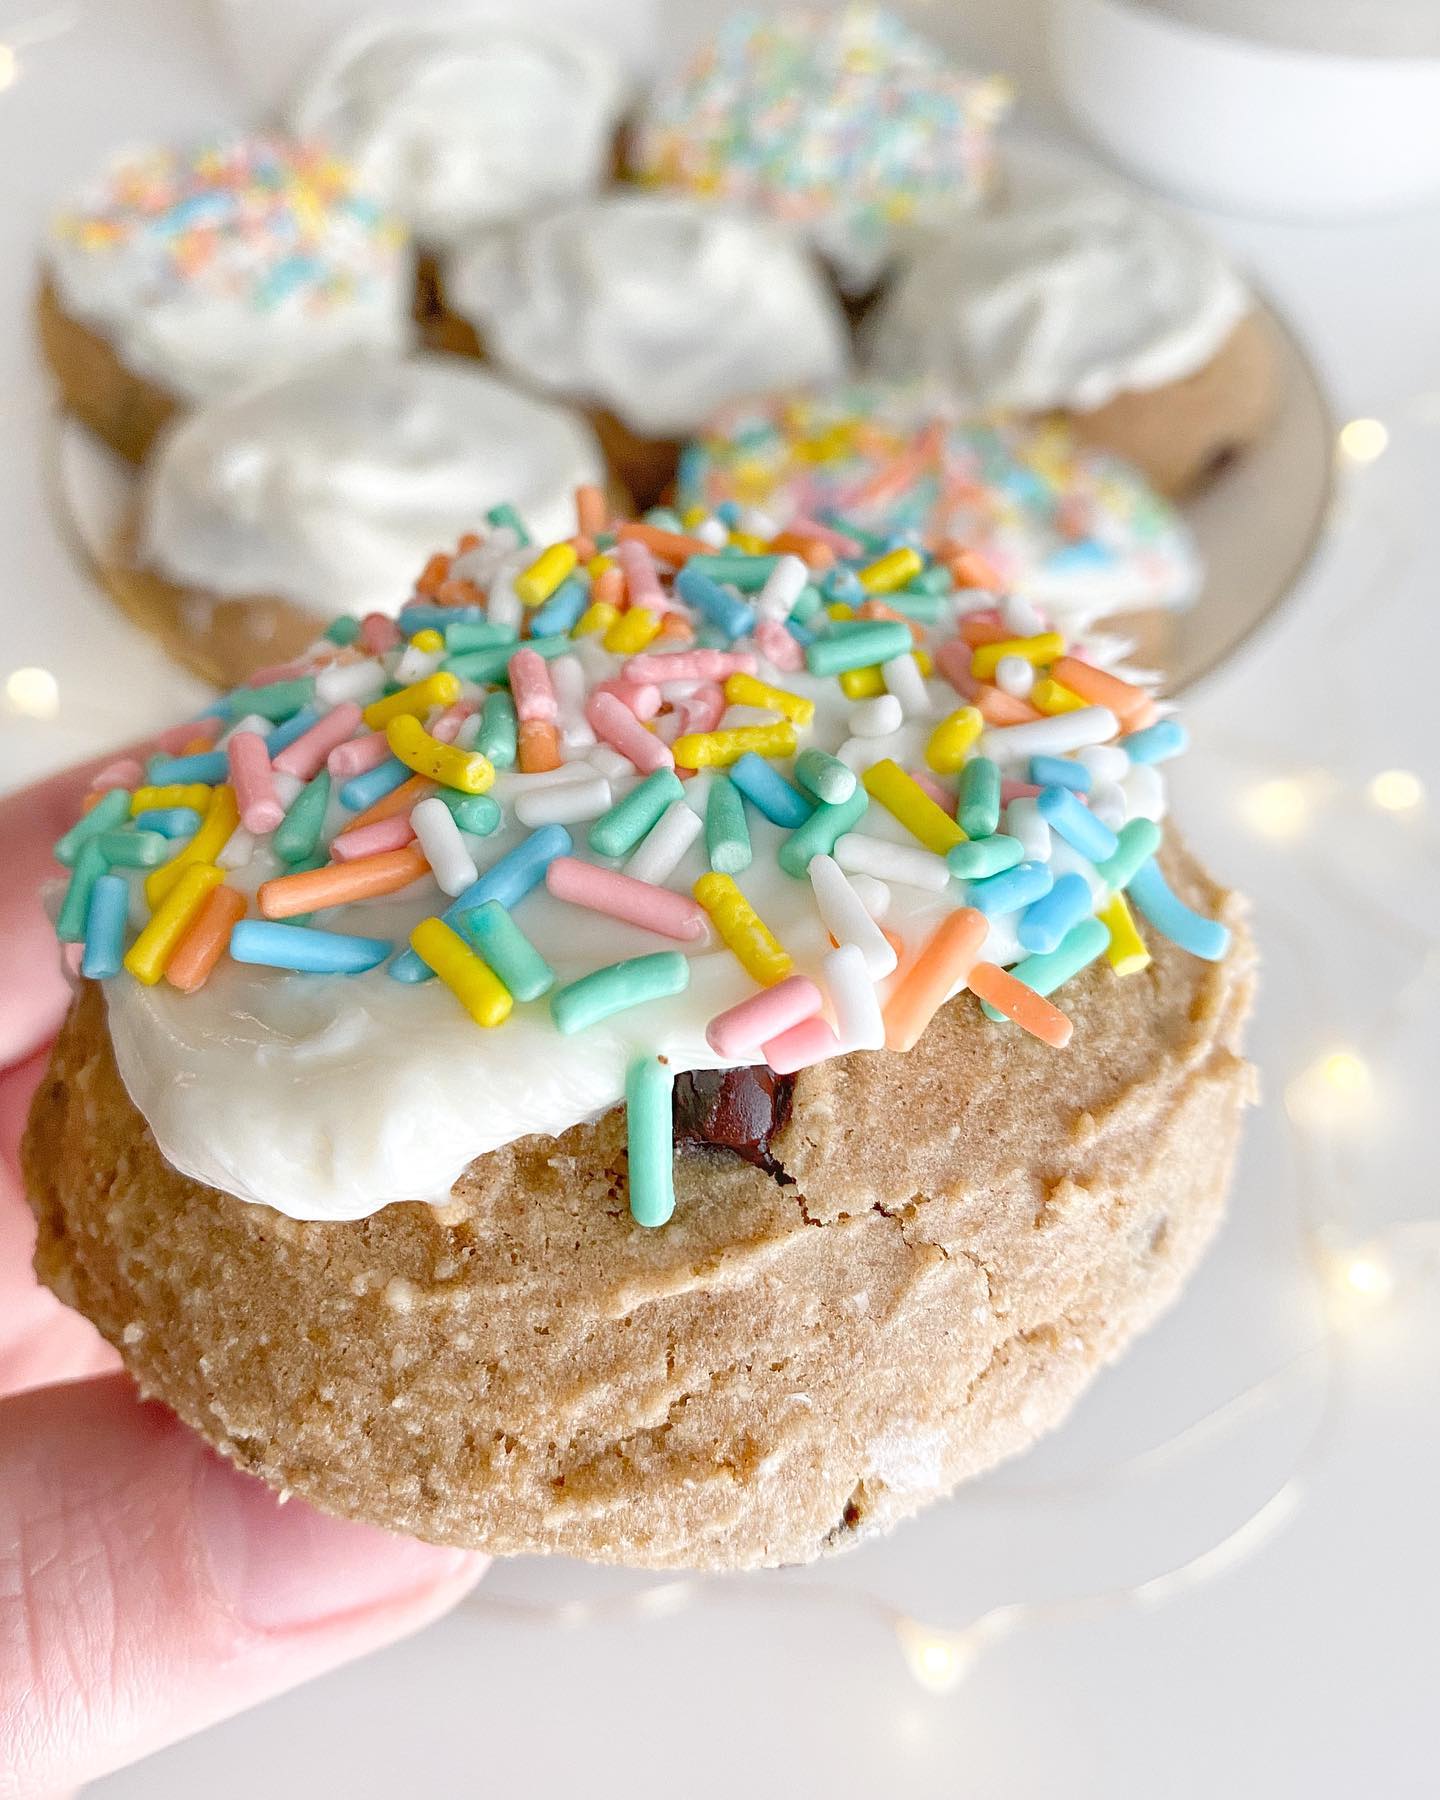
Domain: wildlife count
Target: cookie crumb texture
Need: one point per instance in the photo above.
(967, 1233)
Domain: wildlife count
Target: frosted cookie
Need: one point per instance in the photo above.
(461, 124)
(183, 275)
(1076, 530)
(681, 1087)
(651, 310)
(257, 512)
(845, 124)
(1079, 295)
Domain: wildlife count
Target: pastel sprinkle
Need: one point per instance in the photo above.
(649, 1140)
(508, 951)
(469, 978)
(1168, 913)
(1046, 973)
(1045, 921)
(727, 833)
(583, 1003)
(106, 915)
(742, 930)
(617, 831)
(911, 806)
(302, 948)
(1126, 952)
(147, 956)
(769, 792)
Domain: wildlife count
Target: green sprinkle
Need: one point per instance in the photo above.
(276, 701)
(496, 736)
(817, 836)
(663, 519)
(493, 664)
(872, 541)
(298, 833)
(303, 867)
(711, 637)
(825, 777)
(863, 643)
(134, 849)
(478, 634)
(479, 814)
(1139, 840)
(979, 810)
(343, 630)
(936, 579)
(505, 514)
(927, 608)
(1044, 973)
(617, 832)
(89, 867)
(508, 951)
(742, 570)
(650, 1139)
(111, 809)
(727, 831)
(984, 856)
(580, 1004)
(807, 605)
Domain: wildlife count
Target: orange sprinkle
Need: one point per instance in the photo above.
(812, 551)
(1032, 1012)
(584, 547)
(675, 629)
(947, 957)
(1131, 705)
(672, 546)
(470, 540)
(608, 588)
(339, 883)
(434, 572)
(969, 569)
(398, 800)
(591, 512)
(999, 708)
(90, 802)
(458, 593)
(983, 628)
(539, 746)
(206, 939)
(877, 609)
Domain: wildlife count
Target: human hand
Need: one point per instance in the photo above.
(147, 1588)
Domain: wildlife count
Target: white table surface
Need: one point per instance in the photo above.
(1294, 1652)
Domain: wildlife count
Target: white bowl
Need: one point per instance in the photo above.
(1248, 126)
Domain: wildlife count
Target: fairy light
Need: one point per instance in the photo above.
(1396, 790)
(1369, 1275)
(938, 1660)
(9, 67)
(1347, 1073)
(1363, 440)
(1276, 809)
(32, 693)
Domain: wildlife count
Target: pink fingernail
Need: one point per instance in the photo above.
(279, 1567)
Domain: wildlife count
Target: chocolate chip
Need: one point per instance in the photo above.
(738, 1110)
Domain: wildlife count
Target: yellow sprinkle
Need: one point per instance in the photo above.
(1126, 952)
(441, 689)
(693, 516)
(892, 571)
(745, 690)
(222, 815)
(427, 640)
(717, 749)
(473, 983)
(924, 661)
(545, 574)
(746, 542)
(597, 565)
(1051, 696)
(147, 956)
(468, 771)
(952, 737)
(746, 936)
(632, 631)
(599, 615)
(1043, 648)
(180, 793)
(839, 609)
(863, 684)
(905, 800)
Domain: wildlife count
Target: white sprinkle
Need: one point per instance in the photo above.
(237, 850)
(469, 730)
(1013, 675)
(255, 722)
(667, 840)
(1020, 617)
(1108, 803)
(525, 782)
(904, 680)
(973, 600)
(1023, 820)
(360, 681)
(1144, 790)
(450, 862)
(876, 717)
(905, 863)
(734, 717)
(567, 804)
(287, 787)
(1106, 762)
(607, 761)
(712, 532)
(859, 753)
(858, 1023)
(783, 587)
(843, 911)
(759, 524)
(567, 677)
(415, 665)
(502, 606)
(874, 895)
(1056, 736)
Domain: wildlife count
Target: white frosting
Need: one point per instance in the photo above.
(332, 488)
(234, 318)
(465, 123)
(1068, 291)
(659, 307)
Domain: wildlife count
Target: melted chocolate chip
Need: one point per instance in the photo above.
(738, 1110)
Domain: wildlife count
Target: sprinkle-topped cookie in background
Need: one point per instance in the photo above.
(1074, 529)
(182, 274)
(843, 872)
(847, 124)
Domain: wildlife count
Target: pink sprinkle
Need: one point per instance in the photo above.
(744, 1028)
(690, 665)
(642, 583)
(126, 773)
(778, 646)
(447, 727)
(811, 1041)
(823, 534)
(306, 756)
(937, 790)
(378, 633)
(254, 784)
(357, 755)
(175, 737)
(642, 697)
(1016, 790)
(619, 896)
(369, 840)
(286, 671)
(532, 689)
(952, 659)
(704, 709)
(614, 724)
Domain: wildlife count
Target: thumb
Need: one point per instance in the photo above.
(148, 1589)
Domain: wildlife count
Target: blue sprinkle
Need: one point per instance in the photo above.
(727, 612)
(105, 921)
(374, 784)
(509, 880)
(1059, 771)
(1010, 889)
(1075, 822)
(418, 616)
(206, 765)
(770, 792)
(841, 583)
(1202, 937)
(284, 735)
(1157, 743)
(562, 610)
(727, 512)
(169, 821)
(276, 946)
(1045, 921)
